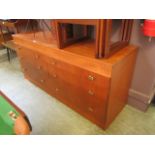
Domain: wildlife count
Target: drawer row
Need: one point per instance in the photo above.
(87, 91)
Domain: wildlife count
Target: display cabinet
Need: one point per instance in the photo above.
(97, 37)
(77, 32)
(115, 35)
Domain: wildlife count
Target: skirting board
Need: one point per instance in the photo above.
(138, 100)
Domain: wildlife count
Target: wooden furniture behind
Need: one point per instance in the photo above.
(4, 34)
(6, 28)
(10, 27)
(10, 47)
(95, 88)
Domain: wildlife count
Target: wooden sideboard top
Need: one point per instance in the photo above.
(79, 54)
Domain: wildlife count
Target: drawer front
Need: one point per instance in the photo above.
(85, 90)
(91, 83)
(33, 58)
(36, 74)
(25, 53)
(53, 87)
(88, 93)
(89, 104)
(41, 61)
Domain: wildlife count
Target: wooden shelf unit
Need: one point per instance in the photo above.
(102, 38)
(61, 27)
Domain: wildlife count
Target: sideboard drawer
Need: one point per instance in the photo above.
(75, 86)
(25, 53)
(36, 74)
(92, 83)
(90, 94)
(92, 105)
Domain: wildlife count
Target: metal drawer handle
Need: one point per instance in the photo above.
(41, 81)
(56, 89)
(53, 62)
(36, 56)
(90, 92)
(90, 109)
(54, 75)
(39, 67)
(34, 41)
(90, 77)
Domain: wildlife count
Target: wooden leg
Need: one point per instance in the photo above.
(8, 53)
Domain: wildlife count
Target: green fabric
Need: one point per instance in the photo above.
(6, 123)
(5, 129)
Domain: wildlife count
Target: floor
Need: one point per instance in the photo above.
(49, 116)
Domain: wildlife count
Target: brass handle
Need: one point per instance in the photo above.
(56, 89)
(90, 92)
(41, 81)
(36, 56)
(34, 41)
(39, 67)
(54, 75)
(90, 77)
(3, 23)
(53, 62)
(90, 109)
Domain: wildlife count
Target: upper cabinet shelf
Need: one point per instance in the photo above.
(78, 21)
(97, 38)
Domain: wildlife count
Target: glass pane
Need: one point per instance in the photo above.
(116, 30)
(69, 31)
(72, 31)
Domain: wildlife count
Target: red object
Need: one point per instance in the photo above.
(149, 28)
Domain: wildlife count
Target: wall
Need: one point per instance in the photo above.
(144, 74)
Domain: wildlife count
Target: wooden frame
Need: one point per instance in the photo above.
(103, 48)
(7, 24)
(60, 35)
(106, 27)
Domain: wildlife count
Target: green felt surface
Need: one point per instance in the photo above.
(6, 123)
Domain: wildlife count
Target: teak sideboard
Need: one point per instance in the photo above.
(95, 88)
